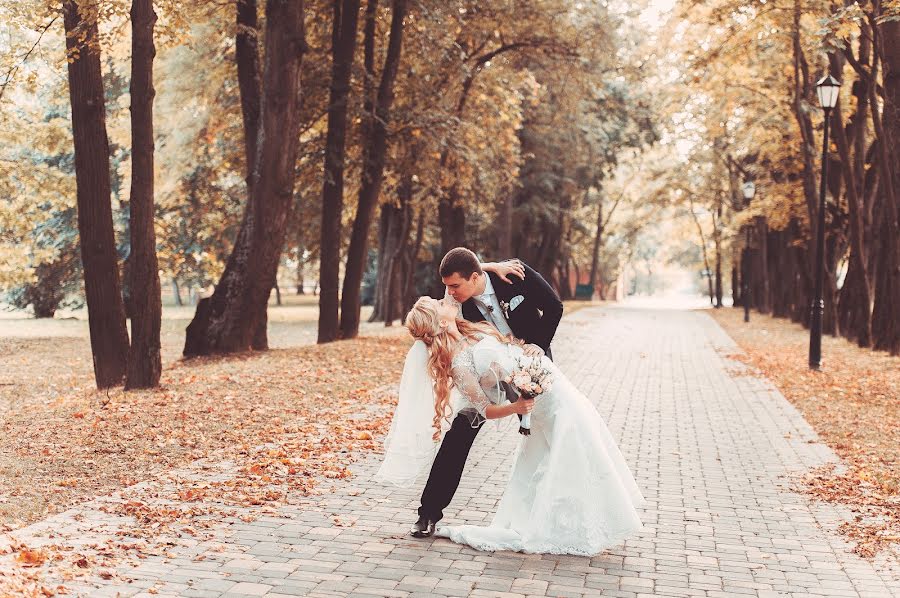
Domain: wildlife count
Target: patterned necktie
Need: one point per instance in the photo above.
(486, 308)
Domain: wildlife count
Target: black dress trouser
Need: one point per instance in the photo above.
(447, 469)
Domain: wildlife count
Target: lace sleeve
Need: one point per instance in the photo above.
(492, 363)
(479, 374)
(475, 400)
(493, 383)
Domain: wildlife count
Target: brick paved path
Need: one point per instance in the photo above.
(712, 448)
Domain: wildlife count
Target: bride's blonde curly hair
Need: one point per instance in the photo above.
(423, 323)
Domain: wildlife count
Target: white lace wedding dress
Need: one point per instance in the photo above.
(570, 491)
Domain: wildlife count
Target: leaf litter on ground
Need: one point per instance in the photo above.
(223, 437)
(853, 404)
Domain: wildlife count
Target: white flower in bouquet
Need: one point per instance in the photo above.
(522, 380)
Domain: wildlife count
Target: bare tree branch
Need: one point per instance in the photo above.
(15, 68)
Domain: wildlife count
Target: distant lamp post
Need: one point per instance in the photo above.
(828, 89)
(749, 190)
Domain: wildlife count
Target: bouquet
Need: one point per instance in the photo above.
(531, 379)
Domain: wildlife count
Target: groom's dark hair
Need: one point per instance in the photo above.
(461, 261)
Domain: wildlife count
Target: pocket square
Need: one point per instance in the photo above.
(515, 302)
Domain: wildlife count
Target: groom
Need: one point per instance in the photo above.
(530, 310)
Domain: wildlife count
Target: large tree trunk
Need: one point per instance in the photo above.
(763, 297)
(854, 302)
(801, 98)
(176, 292)
(300, 281)
(807, 147)
(249, 84)
(384, 229)
(835, 247)
(565, 289)
(301, 261)
(144, 361)
(598, 243)
(886, 314)
(250, 88)
(343, 45)
(126, 273)
(704, 252)
(788, 299)
(801, 93)
(776, 272)
(885, 320)
(783, 274)
(228, 321)
(392, 298)
(412, 257)
(792, 281)
(719, 286)
(106, 311)
(717, 242)
(374, 156)
(747, 299)
(803, 283)
(560, 259)
(393, 250)
(804, 120)
(452, 220)
(735, 286)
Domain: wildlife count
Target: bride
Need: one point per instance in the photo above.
(570, 491)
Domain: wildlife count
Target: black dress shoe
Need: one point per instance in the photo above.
(423, 528)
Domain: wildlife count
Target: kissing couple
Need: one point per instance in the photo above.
(483, 353)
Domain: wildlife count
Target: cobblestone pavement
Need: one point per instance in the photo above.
(713, 448)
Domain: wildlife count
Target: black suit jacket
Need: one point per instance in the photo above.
(536, 318)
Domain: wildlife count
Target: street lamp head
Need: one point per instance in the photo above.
(828, 88)
(749, 190)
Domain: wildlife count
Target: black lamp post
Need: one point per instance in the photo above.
(828, 89)
(749, 190)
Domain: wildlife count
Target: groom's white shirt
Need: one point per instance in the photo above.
(489, 297)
